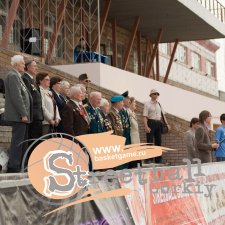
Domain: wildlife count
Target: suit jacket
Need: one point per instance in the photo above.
(36, 96)
(96, 119)
(73, 120)
(116, 122)
(203, 144)
(18, 101)
(126, 125)
(60, 101)
(190, 143)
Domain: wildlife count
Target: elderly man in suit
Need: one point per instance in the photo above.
(114, 114)
(74, 117)
(18, 110)
(35, 127)
(95, 113)
(125, 118)
(55, 87)
(116, 120)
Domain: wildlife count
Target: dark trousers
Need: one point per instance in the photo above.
(220, 159)
(16, 151)
(34, 132)
(155, 135)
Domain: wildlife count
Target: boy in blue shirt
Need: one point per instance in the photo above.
(220, 138)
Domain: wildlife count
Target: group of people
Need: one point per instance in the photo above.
(200, 144)
(37, 105)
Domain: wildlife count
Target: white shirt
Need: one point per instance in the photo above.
(152, 110)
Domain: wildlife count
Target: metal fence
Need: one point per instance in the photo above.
(215, 7)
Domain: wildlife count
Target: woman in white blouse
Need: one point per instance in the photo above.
(134, 130)
(50, 109)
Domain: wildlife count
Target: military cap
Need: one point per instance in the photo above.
(83, 76)
(125, 94)
(117, 98)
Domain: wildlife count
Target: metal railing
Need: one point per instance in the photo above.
(215, 7)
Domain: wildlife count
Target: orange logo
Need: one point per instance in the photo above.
(58, 168)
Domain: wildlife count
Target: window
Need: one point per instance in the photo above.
(109, 47)
(47, 43)
(4, 4)
(120, 52)
(46, 46)
(1, 32)
(135, 62)
(49, 20)
(181, 54)
(11, 37)
(195, 60)
(164, 48)
(210, 68)
(60, 46)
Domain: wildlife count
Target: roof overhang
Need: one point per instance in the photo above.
(184, 20)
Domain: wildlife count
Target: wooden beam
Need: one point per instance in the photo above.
(157, 65)
(42, 25)
(159, 36)
(146, 56)
(60, 14)
(102, 23)
(171, 61)
(9, 24)
(152, 72)
(28, 19)
(131, 41)
(114, 42)
(139, 53)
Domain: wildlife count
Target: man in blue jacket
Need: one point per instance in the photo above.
(220, 138)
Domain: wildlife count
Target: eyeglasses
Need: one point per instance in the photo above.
(155, 94)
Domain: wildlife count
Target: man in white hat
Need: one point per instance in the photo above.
(153, 121)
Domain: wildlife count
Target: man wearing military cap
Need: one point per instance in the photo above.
(114, 115)
(94, 113)
(84, 80)
(125, 118)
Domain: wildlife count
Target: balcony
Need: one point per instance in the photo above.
(216, 8)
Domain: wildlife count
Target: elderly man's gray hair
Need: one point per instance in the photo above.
(104, 101)
(64, 84)
(95, 94)
(75, 89)
(16, 59)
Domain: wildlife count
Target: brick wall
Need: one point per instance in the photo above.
(173, 140)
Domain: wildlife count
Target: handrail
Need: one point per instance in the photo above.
(215, 7)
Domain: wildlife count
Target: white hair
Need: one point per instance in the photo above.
(82, 87)
(104, 101)
(74, 89)
(95, 94)
(16, 59)
(64, 84)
